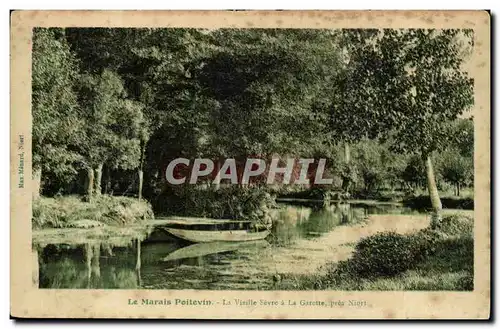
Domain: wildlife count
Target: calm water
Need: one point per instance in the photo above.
(164, 262)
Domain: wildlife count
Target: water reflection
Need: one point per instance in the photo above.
(168, 263)
(294, 223)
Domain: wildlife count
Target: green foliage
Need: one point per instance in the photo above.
(136, 98)
(390, 261)
(372, 160)
(265, 83)
(456, 163)
(232, 202)
(414, 172)
(56, 123)
(383, 254)
(462, 134)
(455, 225)
(437, 89)
(71, 211)
(114, 124)
(455, 168)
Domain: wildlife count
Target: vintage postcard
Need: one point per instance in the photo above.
(250, 164)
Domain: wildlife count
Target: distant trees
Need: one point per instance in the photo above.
(372, 162)
(456, 163)
(456, 169)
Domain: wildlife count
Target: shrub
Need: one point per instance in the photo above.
(231, 202)
(435, 258)
(455, 225)
(426, 241)
(383, 254)
(466, 282)
(451, 254)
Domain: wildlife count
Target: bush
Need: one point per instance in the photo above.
(451, 254)
(231, 202)
(455, 225)
(421, 260)
(466, 282)
(384, 254)
(436, 258)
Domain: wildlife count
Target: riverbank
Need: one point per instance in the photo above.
(409, 256)
(308, 264)
(302, 252)
(104, 211)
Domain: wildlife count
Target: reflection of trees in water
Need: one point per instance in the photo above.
(291, 225)
(101, 265)
(88, 266)
(284, 230)
(35, 274)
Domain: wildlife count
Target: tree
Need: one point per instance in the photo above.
(438, 92)
(362, 104)
(266, 83)
(414, 171)
(56, 123)
(456, 163)
(372, 161)
(407, 85)
(456, 169)
(114, 127)
(462, 136)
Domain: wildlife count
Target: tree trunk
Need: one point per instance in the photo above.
(347, 152)
(35, 271)
(37, 183)
(217, 168)
(138, 259)
(433, 191)
(346, 183)
(458, 189)
(98, 179)
(141, 169)
(95, 263)
(107, 181)
(141, 182)
(89, 184)
(138, 263)
(88, 262)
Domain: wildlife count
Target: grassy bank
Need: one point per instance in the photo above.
(435, 258)
(105, 210)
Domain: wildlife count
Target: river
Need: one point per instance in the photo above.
(299, 241)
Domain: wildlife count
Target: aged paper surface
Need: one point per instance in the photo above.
(36, 293)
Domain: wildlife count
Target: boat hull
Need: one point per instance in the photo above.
(212, 236)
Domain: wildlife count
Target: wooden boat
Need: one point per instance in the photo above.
(208, 248)
(216, 235)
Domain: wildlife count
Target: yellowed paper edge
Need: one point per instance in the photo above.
(29, 301)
